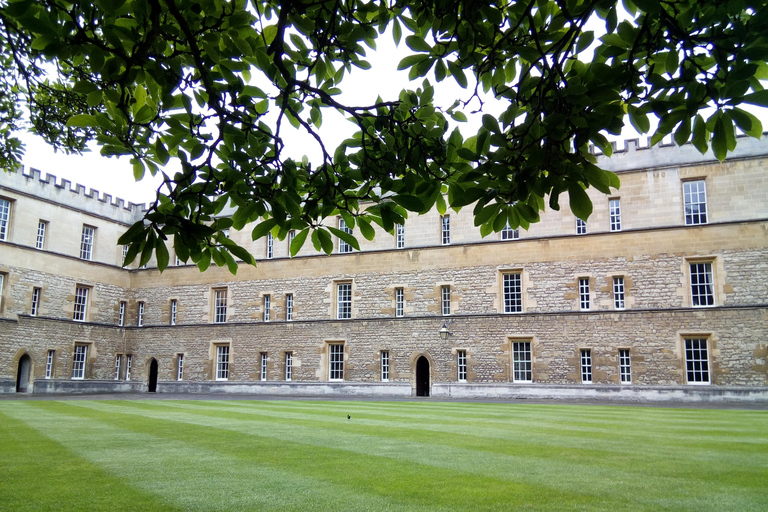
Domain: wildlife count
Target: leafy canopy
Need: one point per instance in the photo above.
(212, 84)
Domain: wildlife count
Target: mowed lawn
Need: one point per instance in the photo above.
(299, 455)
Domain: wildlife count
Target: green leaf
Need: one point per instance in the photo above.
(347, 237)
(700, 135)
(298, 241)
(82, 121)
(397, 32)
(417, 44)
(262, 228)
(161, 254)
(747, 122)
(326, 242)
(410, 203)
(719, 139)
(581, 204)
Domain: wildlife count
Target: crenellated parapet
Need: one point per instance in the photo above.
(47, 186)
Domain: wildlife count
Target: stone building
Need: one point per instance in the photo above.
(662, 294)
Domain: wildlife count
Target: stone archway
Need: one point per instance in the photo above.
(422, 376)
(23, 374)
(152, 383)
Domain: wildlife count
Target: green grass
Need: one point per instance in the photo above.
(306, 456)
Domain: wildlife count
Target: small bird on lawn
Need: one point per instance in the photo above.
(349, 417)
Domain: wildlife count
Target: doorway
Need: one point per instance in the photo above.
(22, 375)
(422, 377)
(152, 387)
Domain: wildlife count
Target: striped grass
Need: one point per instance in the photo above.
(400, 456)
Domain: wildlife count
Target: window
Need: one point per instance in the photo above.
(399, 302)
(220, 306)
(128, 363)
(222, 362)
(336, 361)
(445, 300)
(445, 229)
(263, 374)
(81, 304)
(86, 243)
(270, 246)
(118, 358)
(513, 293)
(41, 228)
(509, 234)
(49, 364)
(586, 366)
(121, 314)
(696, 361)
(399, 236)
(461, 363)
(177, 261)
(288, 366)
(174, 309)
(35, 301)
(140, 315)
(614, 206)
(618, 293)
(78, 362)
(344, 301)
(584, 293)
(288, 307)
(695, 199)
(267, 302)
(581, 227)
(522, 368)
(5, 217)
(291, 236)
(344, 246)
(625, 369)
(385, 365)
(225, 232)
(702, 285)
(179, 366)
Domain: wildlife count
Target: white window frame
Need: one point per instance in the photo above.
(695, 202)
(702, 284)
(385, 366)
(343, 301)
(140, 314)
(344, 247)
(399, 236)
(510, 234)
(461, 365)
(174, 311)
(512, 290)
(399, 302)
(86, 242)
(179, 366)
(5, 219)
(49, 364)
(81, 304)
(697, 366)
(267, 301)
(128, 364)
(79, 358)
(336, 361)
(176, 260)
(270, 246)
(586, 365)
(118, 360)
(625, 366)
(619, 301)
(445, 299)
(121, 313)
(522, 361)
(42, 226)
(220, 306)
(264, 366)
(614, 208)
(222, 362)
(445, 229)
(584, 298)
(36, 292)
(289, 366)
(581, 226)
(288, 307)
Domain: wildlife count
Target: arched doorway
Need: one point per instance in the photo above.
(22, 375)
(422, 377)
(152, 388)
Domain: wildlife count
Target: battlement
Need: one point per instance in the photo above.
(63, 191)
(634, 155)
